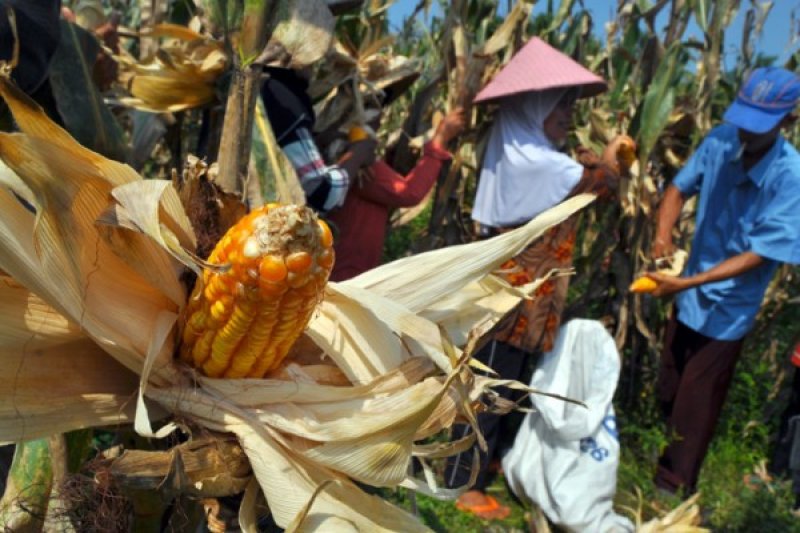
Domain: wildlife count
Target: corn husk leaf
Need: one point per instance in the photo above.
(348, 85)
(167, 232)
(339, 330)
(501, 37)
(275, 172)
(56, 251)
(491, 297)
(87, 388)
(685, 518)
(416, 281)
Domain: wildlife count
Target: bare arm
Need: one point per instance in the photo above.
(731, 267)
(668, 213)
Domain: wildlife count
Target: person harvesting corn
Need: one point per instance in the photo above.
(291, 115)
(525, 172)
(361, 221)
(747, 178)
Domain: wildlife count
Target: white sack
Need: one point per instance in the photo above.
(565, 456)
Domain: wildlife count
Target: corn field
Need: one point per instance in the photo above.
(124, 296)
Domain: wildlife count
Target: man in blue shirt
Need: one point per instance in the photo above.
(747, 178)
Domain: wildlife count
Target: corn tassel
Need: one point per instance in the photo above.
(242, 322)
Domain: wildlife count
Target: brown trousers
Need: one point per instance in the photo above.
(693, 381)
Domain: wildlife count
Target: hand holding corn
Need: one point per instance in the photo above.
(620, 154)
(667, 271)
(449, 127)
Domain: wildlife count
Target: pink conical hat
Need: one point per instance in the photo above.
(539, 66)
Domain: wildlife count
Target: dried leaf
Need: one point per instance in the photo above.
(305, 32)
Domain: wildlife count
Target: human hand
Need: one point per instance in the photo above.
(364, 151)
(662, 247)
(450, 127)
(358, 155)
(620, 154)
(597, 178)
(668, 285)
(586, 157)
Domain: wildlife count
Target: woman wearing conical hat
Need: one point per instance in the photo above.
(525, 172)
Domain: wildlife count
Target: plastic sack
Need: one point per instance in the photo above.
(565, 456)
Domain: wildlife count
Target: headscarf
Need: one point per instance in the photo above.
(523, 174)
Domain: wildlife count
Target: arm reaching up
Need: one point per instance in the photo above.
(668, 213)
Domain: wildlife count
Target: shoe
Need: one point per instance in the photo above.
(490, 509)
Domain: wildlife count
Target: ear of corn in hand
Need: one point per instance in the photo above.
(671, 266)
(243, 321)
(643, 284)
(626, 152)
(357, 133)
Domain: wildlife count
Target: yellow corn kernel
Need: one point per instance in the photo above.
(325, 234)
(272, 269)
(643, 284)
(298, 262)
(242, 322)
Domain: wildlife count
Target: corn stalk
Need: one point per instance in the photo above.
(237, 129)
(30, 480)
(721, 14)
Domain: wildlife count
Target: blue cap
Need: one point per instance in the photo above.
(768, 95)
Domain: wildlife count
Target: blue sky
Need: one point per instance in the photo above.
(774, 40)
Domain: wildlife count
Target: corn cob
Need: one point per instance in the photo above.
(626, 153)
(242, 322)
(670, 265)
(643, 284)
(357, 133)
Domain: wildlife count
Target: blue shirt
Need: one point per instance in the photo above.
(738, 211)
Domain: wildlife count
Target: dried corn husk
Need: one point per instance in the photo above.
(181, 75)
(107, 296)
(683, 519)
(305, 32)
(89, 14)
(351, 84)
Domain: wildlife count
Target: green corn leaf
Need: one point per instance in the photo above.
(659, 100)
(623, 59)
(79, 103)
(564, 11)
(701, 9)
(277, 176)
(576, 32)
(256, 21)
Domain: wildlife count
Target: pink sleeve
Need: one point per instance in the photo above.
(394, 190)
